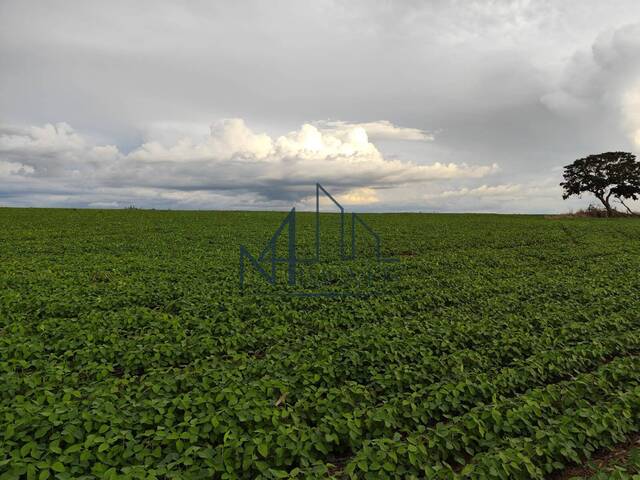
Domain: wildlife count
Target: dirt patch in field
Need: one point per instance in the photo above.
(601, 459)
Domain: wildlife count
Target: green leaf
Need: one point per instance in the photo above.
(55, 446)
(263, 448)
(31, 472)
(26, 448)
(74, 448)
(278, 473)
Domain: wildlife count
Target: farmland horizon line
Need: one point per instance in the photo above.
(282, 210)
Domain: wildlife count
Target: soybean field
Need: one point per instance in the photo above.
(502, 347)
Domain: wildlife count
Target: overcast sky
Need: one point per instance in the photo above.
(414, 105)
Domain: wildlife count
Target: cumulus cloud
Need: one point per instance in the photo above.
(14, 168)
(380, 130)
(526, 85)
(231, 160)
(603, 81)
(482, 191)
(631, 112)
(227, 139)
(494, 198)
(359, 196)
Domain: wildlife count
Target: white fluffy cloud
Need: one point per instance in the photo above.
(495, 197)
(380, 130)
(505, 190)
(631, 112)
(14, 168)
(528, 85)
(603, 82)
(231, 161)
(359, 196)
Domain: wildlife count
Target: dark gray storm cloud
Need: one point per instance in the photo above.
(463, 105)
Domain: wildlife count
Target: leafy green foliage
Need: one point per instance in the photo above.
(508, 347)
(604, 175)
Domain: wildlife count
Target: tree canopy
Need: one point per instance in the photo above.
(605, 175)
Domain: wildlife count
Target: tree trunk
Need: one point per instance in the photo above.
(610, 210)
(607, 205)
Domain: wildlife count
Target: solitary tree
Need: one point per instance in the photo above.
(606, 175)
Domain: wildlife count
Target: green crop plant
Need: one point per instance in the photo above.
(505, 347)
